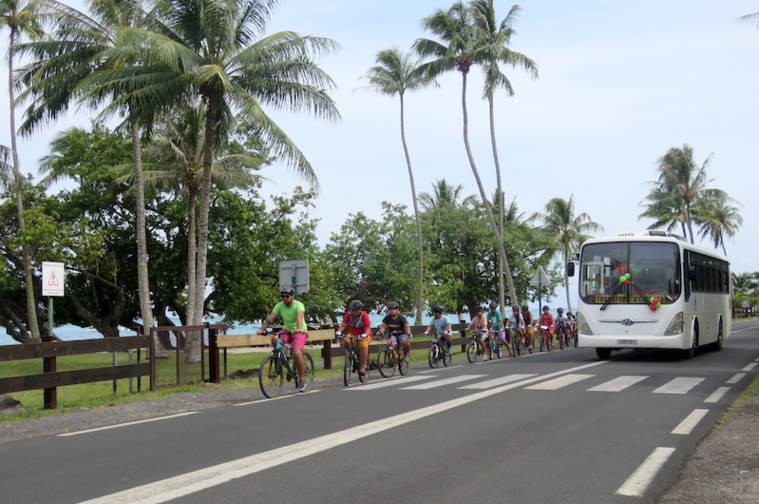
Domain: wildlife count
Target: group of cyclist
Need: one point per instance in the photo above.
(395, 325)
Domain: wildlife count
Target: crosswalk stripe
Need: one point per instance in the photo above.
(617, 384)
(717, 395)
(496, 381)
(679, 385)
(441, 383)
(394, 382)
(560, 382)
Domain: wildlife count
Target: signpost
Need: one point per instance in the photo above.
(53, 285)
(294, 272)
(539, 279)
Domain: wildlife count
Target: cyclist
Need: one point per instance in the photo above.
(562, 324)
(529, 325)
(396, 326)
(293, 329)
(572, 324)
(442, 327)
(357, 322)
(546, 319)
(480, 324)
(495, 321)
(515, 322)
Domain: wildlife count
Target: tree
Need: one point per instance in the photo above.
(459, 51)
(718, 219)
(678, 191)
(396, 73)
(20, 20)
(567, 229)
(750, 18)
(494, 37)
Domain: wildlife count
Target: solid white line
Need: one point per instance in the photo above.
(618, 384)
(391, 383)
(678, 386)
(186, 484)
(126, 424)
(690, 422)
(736, 378)
(442, 383)
(258, 401)
(717, 395)
(558, 383)
(638, 482)
(750, 366)
(496, 381)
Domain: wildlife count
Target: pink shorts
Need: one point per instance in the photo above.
(298, 339)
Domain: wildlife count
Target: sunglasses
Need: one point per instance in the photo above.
(285, 296)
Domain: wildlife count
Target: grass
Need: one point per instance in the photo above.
(737, 406)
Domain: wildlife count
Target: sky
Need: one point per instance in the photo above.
(619, 84)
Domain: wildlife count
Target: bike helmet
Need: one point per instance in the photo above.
(515, 308)
(437, 309)
(560, 310)
(392, 305)
(493, 305)
(355, 305)
(525, 307)
(287, 289)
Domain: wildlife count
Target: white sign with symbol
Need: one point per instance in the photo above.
(52, 279)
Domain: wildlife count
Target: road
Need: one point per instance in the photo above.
(554, 427)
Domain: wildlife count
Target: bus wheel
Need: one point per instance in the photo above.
(603, 353)
(717, 345)
(689, 353)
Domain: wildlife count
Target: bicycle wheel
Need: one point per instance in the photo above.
(446, 356)
(543, 342)
(348, 367)
(362, 378)
(386, 361)
(434, 356)
(496, 347)
(310, 372)
(403, 363)
(471, 351)
(270, 376)
(562, 341)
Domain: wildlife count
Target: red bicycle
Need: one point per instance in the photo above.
(546, 337)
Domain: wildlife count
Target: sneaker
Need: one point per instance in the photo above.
(362, 374)
(301, 386)
(406, 358)
(449, 351)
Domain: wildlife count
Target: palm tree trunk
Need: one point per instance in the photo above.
(483, 194)
(31, 302)
(191, 258)
(420, 244)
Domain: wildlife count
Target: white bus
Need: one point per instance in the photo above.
(650, 289)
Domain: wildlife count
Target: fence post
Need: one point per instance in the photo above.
(50, 395)
(213, 357)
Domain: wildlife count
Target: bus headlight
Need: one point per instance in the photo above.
(582, 325)
(676, 326)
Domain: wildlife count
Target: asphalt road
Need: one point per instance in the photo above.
(556, 427)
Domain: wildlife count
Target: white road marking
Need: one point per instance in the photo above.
(196, 481)
(678, 386)
(496, 381)
(736, 378)
(750, 366)
(558, 383)
(126, 424)
(618, 384)
(394, 382)
(638, 482)
(442, 383)
(717, 395)
(687, 425)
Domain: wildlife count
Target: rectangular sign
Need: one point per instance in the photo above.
(53, 279)
(294, 272)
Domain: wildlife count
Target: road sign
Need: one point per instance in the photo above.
(294, 272)
(53, 279)
(540, 278)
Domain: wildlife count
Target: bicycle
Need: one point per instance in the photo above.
(279, 365)
(520, 341)
(473, 349)
(563, 336)
(439, 352)
(495, 344)
(546, 337)
(352, 363)
(390, 357)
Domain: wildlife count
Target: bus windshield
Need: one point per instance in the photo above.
(654, 270)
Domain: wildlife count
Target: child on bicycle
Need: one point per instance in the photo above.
(515, 322)
(293, 330)
(495, 321)
(359, 329)
(442, 327)
(396, 326)
(529, 326)
(546, 320)
(562, 324)
(480, 324)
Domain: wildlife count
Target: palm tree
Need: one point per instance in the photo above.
(744, 284)
(221, 54)
(443, 195)
(394, 74)
(750, 18)
(494, 38)
(677, 192)
(568, 231)
(459, 52)
(718, 219)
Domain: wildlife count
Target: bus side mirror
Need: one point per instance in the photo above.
(570, 269)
